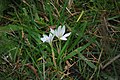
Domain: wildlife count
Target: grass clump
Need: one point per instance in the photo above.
(91, 52)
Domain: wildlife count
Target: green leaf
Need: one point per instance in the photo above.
(63, 49)
(9, 28)
(78, 50)
(86, 60)
(73, 53)
(79, 36)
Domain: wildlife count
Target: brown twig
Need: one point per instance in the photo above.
(33, 69)
(108, 63)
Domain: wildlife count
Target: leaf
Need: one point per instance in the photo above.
(9, 28)
(74, 52)
(87, 61)
(62, 51)
(79, 36)
(78, 51)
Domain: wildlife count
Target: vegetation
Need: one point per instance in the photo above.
(91, 52)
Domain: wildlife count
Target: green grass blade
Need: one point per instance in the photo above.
(74, 52)
(86, 60)
(10, 28)
(62, 14)
(49, 10)
(79, 37)
(62, 51)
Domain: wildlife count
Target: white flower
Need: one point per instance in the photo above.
(48, 39)
(60, 33)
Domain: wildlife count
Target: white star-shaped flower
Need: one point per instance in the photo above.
(48, 39)
(60, 33)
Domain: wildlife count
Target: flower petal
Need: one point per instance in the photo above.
(43, 39)
(67, 34)
(52, 31)
(63, 38)
(59, 29)
(45, 36)
(62, 30)
(51, 37)
(56, 33)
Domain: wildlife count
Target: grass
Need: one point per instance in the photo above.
(91, 52)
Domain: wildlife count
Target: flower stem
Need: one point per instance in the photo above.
(53, 55)
(60, 44)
